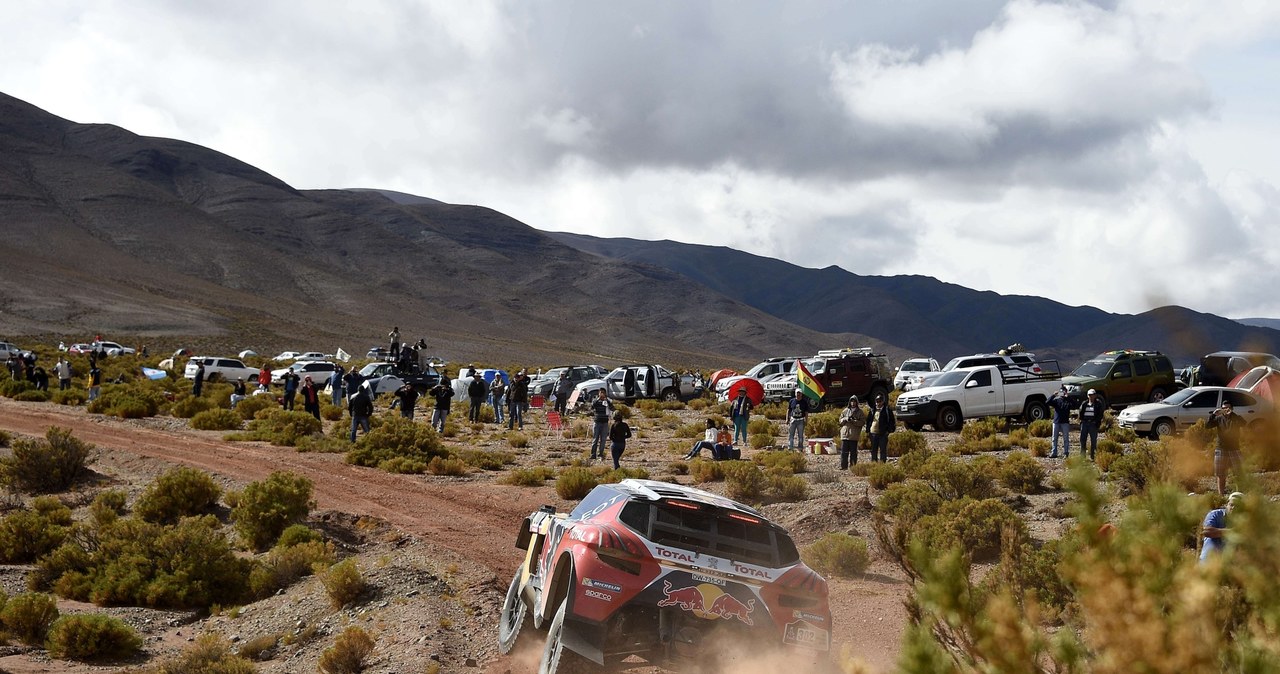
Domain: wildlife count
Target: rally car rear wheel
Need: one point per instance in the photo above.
(556, 659)
(511, 623)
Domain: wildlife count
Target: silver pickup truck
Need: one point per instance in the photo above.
(1010, 390)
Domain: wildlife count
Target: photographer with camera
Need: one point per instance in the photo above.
(1226, 456)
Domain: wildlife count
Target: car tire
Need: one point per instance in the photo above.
(914, 427)
(511, 622)
(556, 659)
(1157, 395)
(671, 395)
(1035, 411)
(213, 377)
(1162, 427)
(949, 418)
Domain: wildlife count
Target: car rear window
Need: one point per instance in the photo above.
(711, 530)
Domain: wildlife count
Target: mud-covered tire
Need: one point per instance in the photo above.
(1035, 411)
(1162, 427)
(556, 659)
(511, 622)
(949, 418)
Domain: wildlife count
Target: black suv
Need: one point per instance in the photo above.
(1123, 377)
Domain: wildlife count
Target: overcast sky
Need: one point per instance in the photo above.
(1124, 155)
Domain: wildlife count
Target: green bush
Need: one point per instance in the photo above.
(442, 466)
(743, 480)
(186, 406)
(762, 426)
(107, 507)
(837, 554)
(216, 419)
(343, 582)
(528, 477)
(974, 526)
(580, 429)
(211, 654)
(181, 492)
(704, 470)
(788, 462)
(264, 509)
(297, 534)
(91, 636)
(823, 425)
(5, 438)
(1019, 437)
(788, 488)
(773, 411)
(1021, 473)
(1146, 463)
(518, 440)
(249, 407)
(50, 464)
(909, 501)
(902, 442)
(286, 564)
(760, 441)
(71, 396)
(486, 459)
(33, 396)
(1040, 428)
(285, 428)
(397, 437)
(953, 479)
(881, 475)
(691, 431)
(26, 535)
(619, 474)
(912, 462)
(1039, 447)
(575, 483)
(348, 653)
(28, 616)
(401, 465)
(978, 429)
(1121, 435)
(12, 388)
(129, 401)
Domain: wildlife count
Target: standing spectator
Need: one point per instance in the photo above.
(1226, 454)
(352, 382)
(600, 409)
(264, 379)
(708, 442)
(851, 420)
(290, 383)
(63, 371)
(880, 423)
(561, 391)
(1061, 405)
(237, 392)
(497, 396)
(95, 382)
(14, 366)
(40, 378)
(29, 362)
(443, 393)
(740, 412)
(1215, 525)
(618, 434)
(476, 392)
(394, 336)
(1091, 411)
(797, 413)
(518, 397)
(361, 408)
(335, 385)
(198, 384)
(310, 397)
(408, 397)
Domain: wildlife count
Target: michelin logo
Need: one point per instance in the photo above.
(588, 582)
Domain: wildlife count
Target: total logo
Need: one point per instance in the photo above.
(707, 601)
(673, 554)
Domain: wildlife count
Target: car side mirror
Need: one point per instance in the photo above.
(971, 384)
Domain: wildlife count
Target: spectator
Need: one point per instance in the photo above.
(724, 450)
(290, 383)
(237, 392)
(335, 385)
(40, 378)
(361, 408)
(407, 396)
(618, 434)
(880, 424)
(1226, 455)
(1061, 405)
(443, 393)
(797, 413)
(264, 379)
(518, 397)
(394, 336)
(476, 392)
(352, 382)
(1215, 525)
(14, 366)
(95, 382)
(497, 396)
(63, 371)
(851, 420)
(198, 384)
(310, 397)
(561, 391)
(740, 412)
(1091, 412)
(600, 410)
(708, 441)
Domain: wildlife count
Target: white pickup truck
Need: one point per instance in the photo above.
(1010, 390)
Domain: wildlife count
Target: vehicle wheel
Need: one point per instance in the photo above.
(1162, 427)
(671, 395)
(511, 621)
(253, 379)
(1157, 394)
(556, 659)
(914, 427)
(949, 418)
(816, 407)
(1103, 400)
(1036, 410)
(213, 377)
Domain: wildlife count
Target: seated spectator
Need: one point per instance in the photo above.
(724, 449)
(707, 442)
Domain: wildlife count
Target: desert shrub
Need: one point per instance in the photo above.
(487, 460)
(823, 425)
(129, 401)
(405, 466)
(953, 479)
(211, 654)
(1121, 435)
(348, 653)
(1199, 435)
(761, 426)
(913, 460)
(286, 564)
(49, 464)
(518, 440)
(25, 535)
(1019, 437)
(788, 462)
(575, 483)
(1103, 460)
(901, 442)
(216, 419)
(296, 534)
(28, 616)
(282, 427)
(12, 388)
(32, 396)
(442, 466)
(179, 493)
(1021, 473)
(1145, 464)
(397, 437)
(861, 469)
(789, 488)
(909, 501)
(249, 407)
(695, 430)
(703, 470)
(71, 396)
(330, 412)
(625, 473)
(1106, 444)
(1039, 447)
(343, 582)
(698, 404)
(838, 554)
(326, 444)
(760, 441)
(743, 480)
(974, 526)
(92, 636)
(1040, 428)
(881, 475)
(528, 477)
(580, 429)
(186, 407)
(773, 411)
(977, 429)
(107, 507)
(264, 509)
(678, 468)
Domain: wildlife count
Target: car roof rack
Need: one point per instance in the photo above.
(847, 351)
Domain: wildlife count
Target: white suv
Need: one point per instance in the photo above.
(925, 379)
(912, 367)
(226, 369)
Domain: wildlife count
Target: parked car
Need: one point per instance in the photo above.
(651, 381)
(1008, 357)
(1183, 409)
(319, 371)
(1123, 377)
(843, 373)
(1220, 367)
(80, 348)
(911, 367)
(378, 353)
(312, 355)
(656, 571)
(764, 372)
(287, 355)
(1005, 390)
(544, 384)
(215, 368)
(10, 349)
(113, 348)
(386, 377)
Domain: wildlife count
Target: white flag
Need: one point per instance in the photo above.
(342, 355)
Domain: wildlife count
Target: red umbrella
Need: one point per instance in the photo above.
(717, 376)
(753, 387)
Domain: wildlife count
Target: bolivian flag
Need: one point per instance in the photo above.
(808, 385)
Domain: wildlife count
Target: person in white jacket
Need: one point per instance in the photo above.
(708, 441)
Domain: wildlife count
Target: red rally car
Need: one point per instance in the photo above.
(664, 572)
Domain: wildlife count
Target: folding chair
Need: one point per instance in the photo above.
(554, 422)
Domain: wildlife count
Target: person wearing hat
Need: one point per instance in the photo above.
(477, 391)
(880, 424)
(1226, 455)
(740, 412)
(1215, 525)
(851, 420)
(1091, 411)
(1061, 405)
(518, 398)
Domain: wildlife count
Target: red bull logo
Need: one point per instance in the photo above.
(707, 601)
